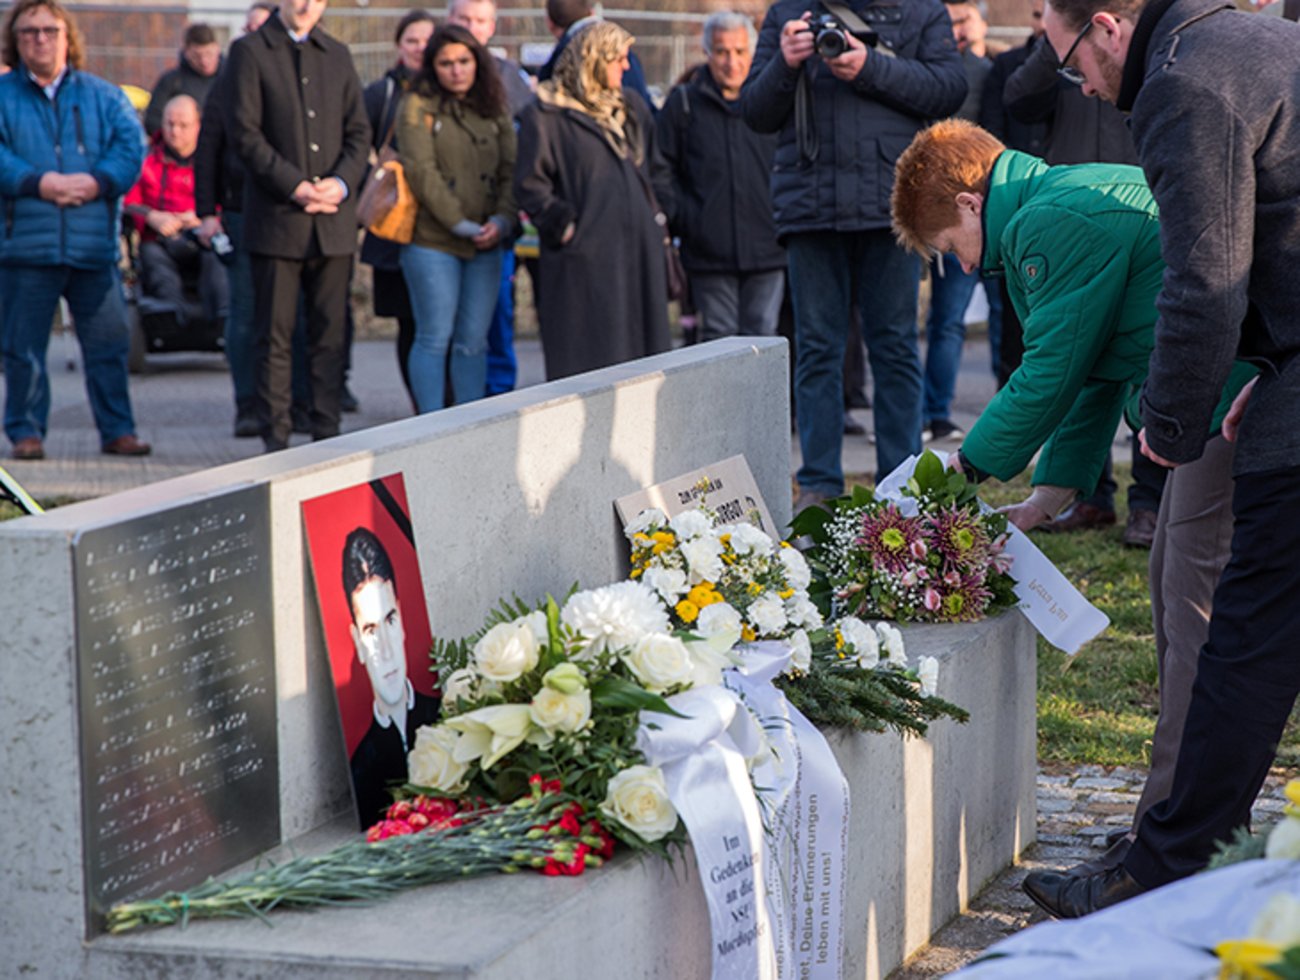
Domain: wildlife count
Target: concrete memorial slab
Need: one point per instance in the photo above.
(508, 496)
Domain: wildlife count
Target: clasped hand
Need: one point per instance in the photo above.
(68, 190)
(319, 196)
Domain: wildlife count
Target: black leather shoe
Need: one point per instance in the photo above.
(1067, 896)
(1112, 857)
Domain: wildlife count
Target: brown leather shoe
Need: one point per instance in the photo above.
(128, 445)
(1080, 517)
(1140, 531)
(29, 448)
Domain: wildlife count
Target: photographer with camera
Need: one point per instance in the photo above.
(162, 205)
(847, 86)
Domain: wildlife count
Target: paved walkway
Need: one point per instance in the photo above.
(1077, 807)
(184, 407)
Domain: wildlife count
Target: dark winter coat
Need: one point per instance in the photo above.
(295, 116)
(218, 171)
(861, 127)
(1218, 144)
(181, 80)
(1029, 137)
(603, 296)
(88, 128)
(721, 200)
(1082, 129)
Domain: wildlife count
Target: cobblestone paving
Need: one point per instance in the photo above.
(1077, 807)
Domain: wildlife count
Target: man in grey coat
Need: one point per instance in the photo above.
(1218, 147)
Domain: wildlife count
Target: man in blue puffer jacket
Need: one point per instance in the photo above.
(843, 122)
(70, 147)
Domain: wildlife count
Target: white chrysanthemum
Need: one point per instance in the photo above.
(691, 524)
(928, 670)
(767, 614)
(644, 521)
(891, 640)
(861, 639)
(703, 557)
(614, 617)
(719, 624)
(660, 661)
(670, 583)
(801, 653)
(747, 539)
(801, 611)
(797, 572)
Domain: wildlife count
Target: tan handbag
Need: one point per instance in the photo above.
(387, 208)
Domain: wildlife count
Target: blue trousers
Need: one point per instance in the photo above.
(28, 298)
(945, 331)
(826, 268)
(502, 368)
(453, 300)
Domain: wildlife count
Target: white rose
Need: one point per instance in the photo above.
(660, 661)
(892, 641)
(558, 712)
(644, 521)
(536, 621)
(801, 611)
(614, 617)
(708, 663)
(459, 684)
(797, 572)
(861, 638)
(928, 670)
(691, 524)
(1284, 840)
(432, 763)
(801, 653)
(704, 558)
(638, 799)
(670, 583)
(506, 652)
(747, 539)
(719, 624)
(767, 614)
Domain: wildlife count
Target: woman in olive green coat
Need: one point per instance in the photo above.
(458, 150)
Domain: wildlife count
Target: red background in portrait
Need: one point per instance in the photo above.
(328, 521)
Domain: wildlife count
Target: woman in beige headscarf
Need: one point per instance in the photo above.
(587, 176)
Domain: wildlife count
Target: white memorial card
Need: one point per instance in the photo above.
(727, 487)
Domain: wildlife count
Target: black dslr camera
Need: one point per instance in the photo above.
(832, 38)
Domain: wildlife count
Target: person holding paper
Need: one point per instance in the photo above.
(1079, 247)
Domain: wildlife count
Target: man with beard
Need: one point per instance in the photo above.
(1218, 148)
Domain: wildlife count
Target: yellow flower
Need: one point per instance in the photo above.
(687, 611)
(641, 538)
(702, 595)
(839, 640)
(664, 537)
(725, 538)
(1292, 791)
(636, 573)
(747, 633)
(1248, 959)
(786, 593)
(755, 588)
(786, 544)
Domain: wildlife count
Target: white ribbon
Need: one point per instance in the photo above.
(709, 785)
(1056, 608)
(805, 798)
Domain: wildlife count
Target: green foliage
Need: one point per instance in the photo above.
(866, 700)
(1244, 846)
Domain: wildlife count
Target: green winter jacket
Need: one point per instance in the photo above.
(1080, 249)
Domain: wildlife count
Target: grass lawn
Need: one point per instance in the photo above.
(1099, 706)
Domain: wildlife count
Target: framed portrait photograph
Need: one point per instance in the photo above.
(376, 628)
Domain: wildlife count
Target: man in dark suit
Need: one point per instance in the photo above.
(296, 118)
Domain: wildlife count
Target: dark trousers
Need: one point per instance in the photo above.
(164, 272)
(323, 283)
(1247, 678)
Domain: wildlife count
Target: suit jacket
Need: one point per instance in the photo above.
(293, 117)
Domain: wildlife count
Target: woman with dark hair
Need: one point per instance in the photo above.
(587, 164)
(382, 98)
(458, 147)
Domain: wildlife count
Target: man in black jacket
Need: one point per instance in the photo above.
(194, 75)
(843, 120)
(1218, 147)
(295, 117)
(721, 204)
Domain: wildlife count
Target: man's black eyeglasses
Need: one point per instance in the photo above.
(49, 33)
(1073, 75)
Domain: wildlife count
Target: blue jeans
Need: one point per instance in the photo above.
(502, 368)
(945, 331)
(824, 269)
(453, 300)
(239, 323)
(993, 293)
(28, 298)
(738, 304)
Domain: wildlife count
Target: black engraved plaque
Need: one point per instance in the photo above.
(176, 682)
